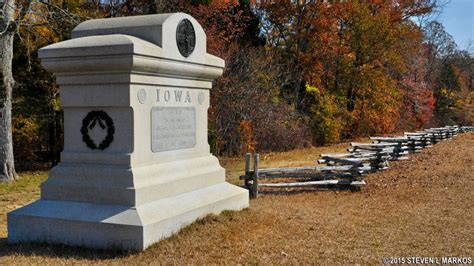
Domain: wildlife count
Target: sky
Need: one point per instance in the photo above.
(458, 19)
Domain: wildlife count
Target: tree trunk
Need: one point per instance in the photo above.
(7, 27)
(350, 99)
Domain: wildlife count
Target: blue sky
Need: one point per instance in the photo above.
(458, 19)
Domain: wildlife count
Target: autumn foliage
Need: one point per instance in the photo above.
(298, 73)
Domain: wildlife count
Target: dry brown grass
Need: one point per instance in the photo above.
(420, 207)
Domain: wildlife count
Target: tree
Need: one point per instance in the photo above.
(447, 100)
(440, 48)
(246, 112)
(418, 99)
(298, 33)
(7, 28)
(31, 21)
(351, 54)
(450, 74)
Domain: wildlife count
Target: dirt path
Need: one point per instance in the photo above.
(421, 207)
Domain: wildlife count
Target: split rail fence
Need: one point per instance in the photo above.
(346, 170)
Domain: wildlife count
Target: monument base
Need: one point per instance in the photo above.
(115, 226)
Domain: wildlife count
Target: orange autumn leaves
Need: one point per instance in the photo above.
(365, 59)
(358, 56)
(300, 72)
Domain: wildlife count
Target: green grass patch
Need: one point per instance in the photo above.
(18, 193)
(28, 181)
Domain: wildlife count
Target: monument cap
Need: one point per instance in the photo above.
(185, 39)
(150, 28)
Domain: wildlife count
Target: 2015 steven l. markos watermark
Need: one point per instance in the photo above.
(427, 260)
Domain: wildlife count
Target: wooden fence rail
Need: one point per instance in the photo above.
(346, 169)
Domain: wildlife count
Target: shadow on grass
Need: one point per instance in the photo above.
(299, 190)
(59, 251)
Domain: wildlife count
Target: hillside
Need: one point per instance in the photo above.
(420, 207)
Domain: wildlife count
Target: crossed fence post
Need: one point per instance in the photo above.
(247, 170)
(253, 188)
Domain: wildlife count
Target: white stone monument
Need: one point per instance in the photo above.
(136, 165)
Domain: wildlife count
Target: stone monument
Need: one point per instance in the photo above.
(136, 165)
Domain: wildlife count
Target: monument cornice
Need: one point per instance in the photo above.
(120, 55)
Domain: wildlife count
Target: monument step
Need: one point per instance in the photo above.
(115, 226)
(129, 196)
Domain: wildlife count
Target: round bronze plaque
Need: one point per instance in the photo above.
(185, 37)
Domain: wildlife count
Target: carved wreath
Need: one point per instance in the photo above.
(102, 119)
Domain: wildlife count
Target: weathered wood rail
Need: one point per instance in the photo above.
(346, 170)
(347, 175)
(465, 129)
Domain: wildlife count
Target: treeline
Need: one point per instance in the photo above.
(298, 73)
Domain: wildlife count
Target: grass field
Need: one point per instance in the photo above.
(420, 207)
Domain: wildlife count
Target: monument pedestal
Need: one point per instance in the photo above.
(116, 226)
(136, 165)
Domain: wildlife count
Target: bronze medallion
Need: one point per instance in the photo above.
(185, 37)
